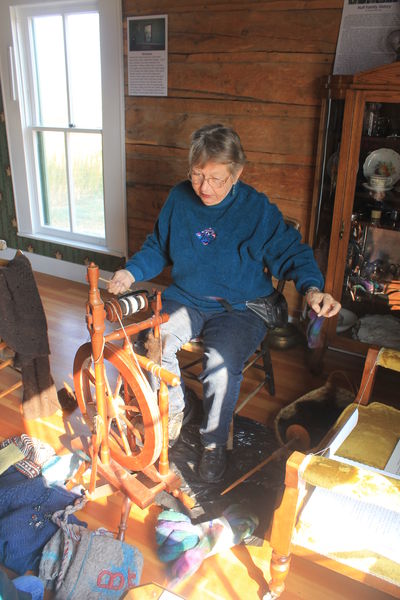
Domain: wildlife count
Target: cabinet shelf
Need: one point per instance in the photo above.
(359, 259)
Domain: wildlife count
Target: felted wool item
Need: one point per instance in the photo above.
(78, 564)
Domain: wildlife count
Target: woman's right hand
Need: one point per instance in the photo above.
(121, 282)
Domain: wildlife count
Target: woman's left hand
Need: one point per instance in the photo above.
(324, 305)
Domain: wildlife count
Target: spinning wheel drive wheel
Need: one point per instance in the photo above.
(133, 418)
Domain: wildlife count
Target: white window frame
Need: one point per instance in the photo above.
(20, 138)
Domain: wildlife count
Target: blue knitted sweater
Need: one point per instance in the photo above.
(221, 251)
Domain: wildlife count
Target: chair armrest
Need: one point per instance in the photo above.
(383, 357)
(357, 482)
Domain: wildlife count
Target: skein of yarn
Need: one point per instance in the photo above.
(185, 546)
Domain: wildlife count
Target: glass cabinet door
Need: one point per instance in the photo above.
(329, 171)
(365, 273)
(371, 286)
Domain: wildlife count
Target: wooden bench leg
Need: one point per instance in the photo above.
(279, 569)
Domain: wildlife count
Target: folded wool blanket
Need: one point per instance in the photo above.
(23, 327)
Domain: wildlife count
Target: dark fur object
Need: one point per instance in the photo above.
(316, 411)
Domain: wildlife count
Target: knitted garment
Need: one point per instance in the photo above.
(40, 397)
(35, 451)
(22, 319)
(8, 591)
(23, 326)
(26, 509)
(223, 251)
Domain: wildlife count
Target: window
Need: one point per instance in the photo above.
(64, 115)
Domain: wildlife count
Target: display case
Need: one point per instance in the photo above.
(355, 229)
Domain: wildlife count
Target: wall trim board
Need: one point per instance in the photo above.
(71, 271)
(55, 267)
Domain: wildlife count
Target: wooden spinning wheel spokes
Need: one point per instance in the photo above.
(133, 417)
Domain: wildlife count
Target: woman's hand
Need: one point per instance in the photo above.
(324, 305)
(121, 282)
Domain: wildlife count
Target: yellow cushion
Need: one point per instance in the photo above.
(389, 358)
(371, 443)
(376, 434)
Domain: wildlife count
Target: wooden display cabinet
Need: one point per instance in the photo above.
(355, 229)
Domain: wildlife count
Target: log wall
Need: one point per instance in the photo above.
(253, 65)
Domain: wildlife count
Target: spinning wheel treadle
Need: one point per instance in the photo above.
(134, 423)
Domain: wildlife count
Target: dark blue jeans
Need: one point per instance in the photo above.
(229, 339)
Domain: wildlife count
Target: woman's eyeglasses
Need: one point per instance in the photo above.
(214, 182)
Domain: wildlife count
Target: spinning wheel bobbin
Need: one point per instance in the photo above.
(125, 306)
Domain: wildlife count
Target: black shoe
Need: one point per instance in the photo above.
(213, 464)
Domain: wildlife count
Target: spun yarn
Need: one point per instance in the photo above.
(314, 329)
(174, 534)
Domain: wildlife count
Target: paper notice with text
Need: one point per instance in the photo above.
(363, 37)
(147, 56)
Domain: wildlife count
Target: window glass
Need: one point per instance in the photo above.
(53, 179)
(49, 66)
(84, 68)
(64, 107)
(70, 163)
(87, 183)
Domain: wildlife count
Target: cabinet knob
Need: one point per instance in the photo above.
(341, 232)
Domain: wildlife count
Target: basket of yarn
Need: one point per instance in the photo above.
(185, 546)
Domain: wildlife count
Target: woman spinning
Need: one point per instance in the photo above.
(224, 241)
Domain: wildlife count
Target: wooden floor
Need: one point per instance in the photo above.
(241, 573)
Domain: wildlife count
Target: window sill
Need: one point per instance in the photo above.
(79, 245)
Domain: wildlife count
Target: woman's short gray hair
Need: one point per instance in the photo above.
(216, 143)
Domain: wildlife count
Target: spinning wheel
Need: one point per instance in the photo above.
(127, 419)
(133, 418)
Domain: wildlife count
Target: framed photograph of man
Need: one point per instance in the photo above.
(146, 34)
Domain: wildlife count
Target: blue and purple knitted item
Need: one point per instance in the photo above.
(184, 545)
